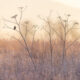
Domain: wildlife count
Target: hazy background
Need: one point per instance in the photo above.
(33, 8)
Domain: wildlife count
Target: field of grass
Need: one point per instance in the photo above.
(16, 64)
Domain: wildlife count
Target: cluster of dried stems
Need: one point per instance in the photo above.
(50, 30)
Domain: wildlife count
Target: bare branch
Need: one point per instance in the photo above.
(11, 28)
(8, 21)
(33, 39)
(46, 30)
(22, 36)
(52, 28)
(60, 18)
(71, 28)
(18, 41)
(73, 42)
(21, 16)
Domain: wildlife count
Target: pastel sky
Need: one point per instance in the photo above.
(73, 3)
(9, 7)
(33, 8)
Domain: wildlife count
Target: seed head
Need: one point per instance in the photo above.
(14, 16)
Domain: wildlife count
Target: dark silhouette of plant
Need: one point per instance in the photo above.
(62, 33)
(49, 31)
(65, 29)
(65, 24)
(18, 28)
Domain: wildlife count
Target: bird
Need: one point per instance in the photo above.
(14, 16)
(14, 27)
